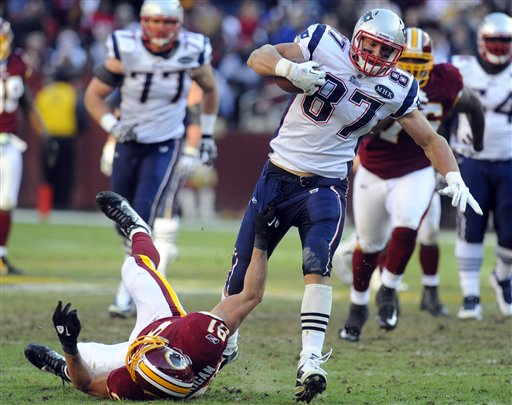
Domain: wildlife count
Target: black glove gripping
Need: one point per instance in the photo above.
(208, 150)
(265, 226)
(68, 327)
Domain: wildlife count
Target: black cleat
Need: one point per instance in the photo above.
(119, 210)
(48, 360)
(357, 316)
(387, 304)
(430, 302)
(7, 269)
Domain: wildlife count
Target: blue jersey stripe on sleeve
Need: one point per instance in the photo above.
(116, 47)
(413, 91)
(315, 39)
(201, 56)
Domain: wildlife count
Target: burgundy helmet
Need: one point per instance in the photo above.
(158, 368)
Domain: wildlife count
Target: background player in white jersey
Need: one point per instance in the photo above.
(154, 68)
(489, 172)
(348, 87)
(393, 189)
(15, 96)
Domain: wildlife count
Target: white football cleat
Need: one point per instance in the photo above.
(470, 309)
(311, 378)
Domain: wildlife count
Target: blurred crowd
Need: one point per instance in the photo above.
(68, 37)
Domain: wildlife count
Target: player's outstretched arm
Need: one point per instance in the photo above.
(235, 308)
(67, 325)
(441, 156)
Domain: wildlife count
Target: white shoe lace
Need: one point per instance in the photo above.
(317, 361)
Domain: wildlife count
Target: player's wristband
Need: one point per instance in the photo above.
(208, 123)
(108, 121)
(283, 67)
(260, 242)
(191, 151)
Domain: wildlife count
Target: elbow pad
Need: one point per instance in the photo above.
(106, 76)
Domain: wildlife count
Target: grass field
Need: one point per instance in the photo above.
(424, 361)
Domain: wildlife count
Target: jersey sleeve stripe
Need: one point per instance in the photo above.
(116, 47)
(315, 39)
(411, 96)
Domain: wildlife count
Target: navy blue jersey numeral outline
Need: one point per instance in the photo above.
(149, 78)
(399, 78)
(505, 107)
(320, 106)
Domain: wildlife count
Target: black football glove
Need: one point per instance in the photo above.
(207, 150)
(265, 226)
(68, 327)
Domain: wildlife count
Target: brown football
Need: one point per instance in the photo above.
(287, 85)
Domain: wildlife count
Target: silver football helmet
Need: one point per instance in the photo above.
(152, 13)
(495, 39)
(387, 30)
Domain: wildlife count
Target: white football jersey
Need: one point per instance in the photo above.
(495, 93)
(319, 133)
(155, 89)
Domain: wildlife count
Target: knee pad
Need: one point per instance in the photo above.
(316, 262)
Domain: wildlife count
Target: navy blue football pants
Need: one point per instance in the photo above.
(315, 205)
(491, 185)
(147, 176)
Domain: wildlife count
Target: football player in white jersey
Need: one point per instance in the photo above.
(393, 166)
(489, 172)
(348, 87)
(154, 68)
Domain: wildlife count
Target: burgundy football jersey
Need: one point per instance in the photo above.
(12, 77)
(393, 153)
(200, 335)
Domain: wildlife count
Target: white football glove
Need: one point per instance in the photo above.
(305, 76)
(107, 158)
(189, 162)
(423, 99)
(459, 192)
